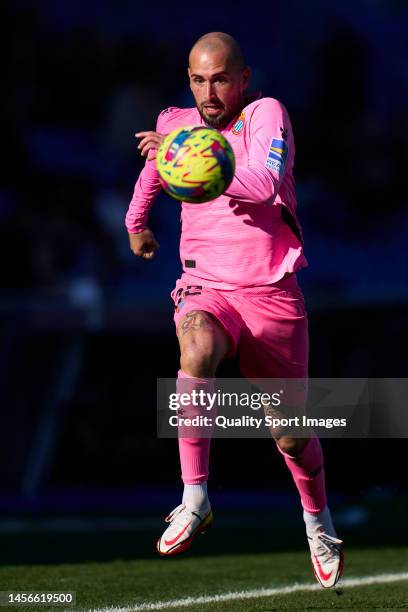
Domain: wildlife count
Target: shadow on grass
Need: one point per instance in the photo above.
(233, 533)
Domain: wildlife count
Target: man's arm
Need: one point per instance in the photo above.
(141, 238)
(271, 151)
(146, 190)
(147, 185)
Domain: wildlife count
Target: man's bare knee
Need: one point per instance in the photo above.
(203, 343)
(198, 361)
(292, 446)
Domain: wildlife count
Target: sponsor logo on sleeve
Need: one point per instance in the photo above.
(277, 155)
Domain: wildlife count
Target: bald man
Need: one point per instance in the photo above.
(238, 291)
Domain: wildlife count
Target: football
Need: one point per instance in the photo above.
(195, 164)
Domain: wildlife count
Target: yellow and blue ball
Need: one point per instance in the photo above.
(195, 164)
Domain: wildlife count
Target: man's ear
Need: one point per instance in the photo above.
(246, 75)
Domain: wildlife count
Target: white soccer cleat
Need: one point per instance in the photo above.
(327, 558)
(184, 526)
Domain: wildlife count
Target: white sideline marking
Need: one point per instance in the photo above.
(254, 593)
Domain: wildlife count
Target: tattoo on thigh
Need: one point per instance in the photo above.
(195, 320)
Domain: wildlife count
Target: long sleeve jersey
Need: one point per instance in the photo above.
(250, 235)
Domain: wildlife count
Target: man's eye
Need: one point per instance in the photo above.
(198, 81)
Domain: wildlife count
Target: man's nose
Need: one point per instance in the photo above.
(209, 91)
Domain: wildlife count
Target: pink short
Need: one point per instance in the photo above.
(267, 325)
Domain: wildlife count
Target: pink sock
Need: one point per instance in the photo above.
(308, 473)
(194, 452)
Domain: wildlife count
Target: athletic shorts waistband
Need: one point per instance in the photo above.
(288, 282)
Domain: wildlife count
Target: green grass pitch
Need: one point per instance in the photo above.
(119, 569)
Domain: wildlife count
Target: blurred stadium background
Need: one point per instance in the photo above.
(86, 327)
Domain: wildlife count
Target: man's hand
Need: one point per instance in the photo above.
(150, 142)
(144, 244)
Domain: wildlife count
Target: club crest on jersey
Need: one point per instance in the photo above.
(238, 125)
(277, 155)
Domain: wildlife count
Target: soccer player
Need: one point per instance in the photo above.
(240, 254)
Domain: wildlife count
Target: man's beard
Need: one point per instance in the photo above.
(223, 119)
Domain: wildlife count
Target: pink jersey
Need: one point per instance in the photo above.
(249, 236)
